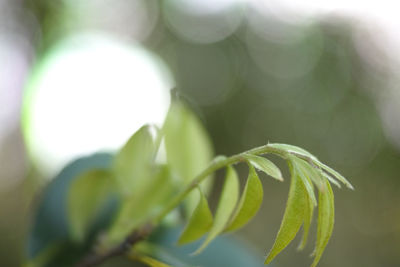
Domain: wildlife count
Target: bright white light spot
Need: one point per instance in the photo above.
(90, 94)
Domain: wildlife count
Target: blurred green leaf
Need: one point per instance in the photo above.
(46, 255)
(50, 226)
(199, 223)
(326, 218)
(161, 251)
(293, 217)
(265, 165)
(132, 165)
(86, 196)
(135, 212)
(149, 261)
(189, 149)
(249, 203)
(226, 205)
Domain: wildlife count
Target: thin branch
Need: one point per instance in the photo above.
(139, 235)
(214, 166)
(135, 237)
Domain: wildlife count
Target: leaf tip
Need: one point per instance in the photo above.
(199, 250)
(268, 259)
(180, 241)
(350, 186)
(302, 245)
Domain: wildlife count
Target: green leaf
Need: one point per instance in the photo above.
(200, 222)
(134, 212)
(314, 174)
(46, 255)
(304, 171)
(329, 170)
(188, 148)
(86, 196)
(308, 216)
(133, 163)
(335, 174)
(296, 149)
(226, 205)
(265, 165)
(326, 218)
(293, 217)
(330, 179)
(249, 203)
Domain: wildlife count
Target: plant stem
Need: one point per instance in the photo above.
(142, 233)
(135, 237)
(215, 165)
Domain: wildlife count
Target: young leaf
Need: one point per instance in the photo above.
(293, 217)
(305, 172)
(308, 216)
(312, 172)
(188, 147)
(302, 169)
(296, 149)
(249, 203)
(326, 218)
(135, 211)
(265, 165)
(335, 174)
(330, 179)
(46, 255)
(132, 164)
(86, 196)
(199, 223)
(226, 205)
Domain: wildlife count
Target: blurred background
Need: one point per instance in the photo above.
(81, 76)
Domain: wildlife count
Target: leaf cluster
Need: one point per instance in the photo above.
(308, 175)
(161, 175)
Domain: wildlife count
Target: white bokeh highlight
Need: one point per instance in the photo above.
(91, 94)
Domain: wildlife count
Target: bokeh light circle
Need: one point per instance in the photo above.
(89, 94)
(203, 22)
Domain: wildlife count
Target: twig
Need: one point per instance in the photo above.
(136, 236)
(214, 166)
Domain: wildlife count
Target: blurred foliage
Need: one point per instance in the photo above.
(50, 229)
